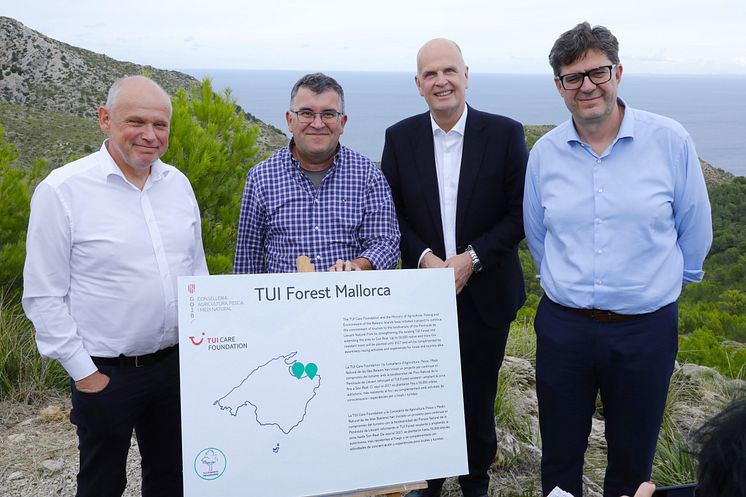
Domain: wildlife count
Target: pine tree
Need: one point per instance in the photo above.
(214, 144)
(15, 197)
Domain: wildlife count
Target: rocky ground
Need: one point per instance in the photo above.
(39, 456)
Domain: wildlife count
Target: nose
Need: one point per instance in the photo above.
(317, 122)
(588, 85)
(148, 132)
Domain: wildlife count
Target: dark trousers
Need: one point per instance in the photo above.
(630, 364)
(482, 350)
(146, 400)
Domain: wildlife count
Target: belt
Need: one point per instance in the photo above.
(135, 361)
(602, 316)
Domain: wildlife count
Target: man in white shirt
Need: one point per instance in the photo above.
(108, 236)
(456, 175)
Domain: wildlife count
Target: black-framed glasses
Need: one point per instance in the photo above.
(308, 116)
(597, 76)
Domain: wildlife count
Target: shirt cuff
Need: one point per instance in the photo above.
(79, 366)
(422, 255)
(692, 276)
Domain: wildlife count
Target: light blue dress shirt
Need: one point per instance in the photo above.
(621, 231)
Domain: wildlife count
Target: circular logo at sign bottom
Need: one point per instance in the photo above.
(210, 463)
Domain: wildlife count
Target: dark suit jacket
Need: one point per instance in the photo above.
(489, 206)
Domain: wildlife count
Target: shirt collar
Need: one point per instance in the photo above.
(626, 128)
(295, 162)
(158, 170)
(459, 127)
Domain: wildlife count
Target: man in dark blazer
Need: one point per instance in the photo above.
(457, 175)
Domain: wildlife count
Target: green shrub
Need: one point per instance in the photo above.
(24, 375)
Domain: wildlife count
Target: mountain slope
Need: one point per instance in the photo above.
(44, 74)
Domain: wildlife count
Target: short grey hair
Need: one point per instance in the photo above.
(573, 44)
(113, 95)
(318, 83)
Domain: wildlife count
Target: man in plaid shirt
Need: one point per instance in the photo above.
(316, 197)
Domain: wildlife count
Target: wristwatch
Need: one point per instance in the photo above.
(476, 265)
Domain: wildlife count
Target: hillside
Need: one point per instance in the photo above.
(55, 80)
(52, 135)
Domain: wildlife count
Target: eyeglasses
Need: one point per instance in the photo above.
(309, 116)
(597, 76)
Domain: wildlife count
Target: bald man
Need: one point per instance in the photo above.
(456, 175)
(108, 236)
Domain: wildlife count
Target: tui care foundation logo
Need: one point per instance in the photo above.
(210, 463)
(217, 343)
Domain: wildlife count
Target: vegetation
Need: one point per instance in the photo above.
(24, 375)
(712, 318)
(214, 145)
(49, 135)
(14, 210)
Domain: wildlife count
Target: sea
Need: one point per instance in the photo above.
(711, 108)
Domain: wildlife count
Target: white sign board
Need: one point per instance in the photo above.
(312, 383)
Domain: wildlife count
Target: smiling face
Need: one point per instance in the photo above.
(591, 104)
(137, 124)
(315, 142)
(442, 78)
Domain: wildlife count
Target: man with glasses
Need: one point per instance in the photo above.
(617, 219)
(315, 197)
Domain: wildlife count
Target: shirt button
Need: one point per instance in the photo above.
(598, 282)
(318, 257)
(316, 228)
(600, 190)
(599, 221)
(598, 251)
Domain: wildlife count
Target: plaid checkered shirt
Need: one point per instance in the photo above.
(283, 215)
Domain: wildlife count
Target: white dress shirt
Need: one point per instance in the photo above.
(102, 260)
(448, 150)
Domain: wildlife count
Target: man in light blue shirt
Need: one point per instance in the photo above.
(618, 220)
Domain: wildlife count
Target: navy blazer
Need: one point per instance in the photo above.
(489, 206)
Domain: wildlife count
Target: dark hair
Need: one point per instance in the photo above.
(573, 44)
(318, 83)
(722, 452)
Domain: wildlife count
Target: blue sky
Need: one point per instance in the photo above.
(656, 37)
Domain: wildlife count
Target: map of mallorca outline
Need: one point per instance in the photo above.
(279, 391)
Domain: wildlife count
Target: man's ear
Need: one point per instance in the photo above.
(104, 119)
